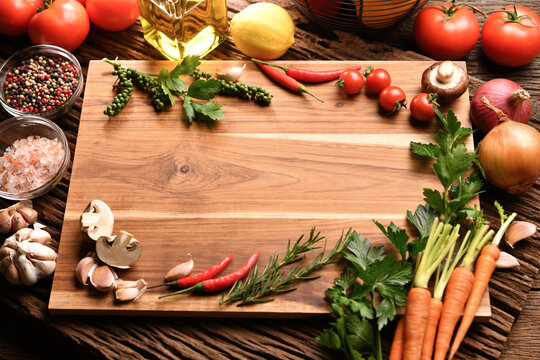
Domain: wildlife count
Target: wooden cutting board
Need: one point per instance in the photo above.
(253, 181)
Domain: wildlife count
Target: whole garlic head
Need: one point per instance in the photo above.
(25, 258)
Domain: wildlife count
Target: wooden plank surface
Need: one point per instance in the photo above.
(253, 181)
(137, 338)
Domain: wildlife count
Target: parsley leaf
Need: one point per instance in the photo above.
(422, 219)
(187, 66)
(204, 89)
(397, 236)
(361, 254)
(211, 110)
(435, 199)
(426, 150)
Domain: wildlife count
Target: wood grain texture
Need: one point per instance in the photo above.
(253, 181)
(105, 337)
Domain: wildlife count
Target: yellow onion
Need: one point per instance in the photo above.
(510, 156)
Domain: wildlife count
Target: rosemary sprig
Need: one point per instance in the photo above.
(255, 288)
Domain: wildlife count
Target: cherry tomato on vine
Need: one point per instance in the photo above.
(392, 99)
(351, 81)
(422, 106)
(112, 15)
(511, 37)
(63, 24)
(15, 15)
(446, 31)
(377, 79)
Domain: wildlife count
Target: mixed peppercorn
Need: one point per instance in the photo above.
(40, 83)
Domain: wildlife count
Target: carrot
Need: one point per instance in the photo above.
(441, 239)
(435, 306)
(457, 292)
(396, 351)
(485, 265)
(416, 314)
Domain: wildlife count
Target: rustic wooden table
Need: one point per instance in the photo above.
(29, 332)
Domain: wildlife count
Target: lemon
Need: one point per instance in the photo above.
(263, 30)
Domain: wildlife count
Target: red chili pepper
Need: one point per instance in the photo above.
(283, 79)
(222, 282)
(309, 76)
(194, 279)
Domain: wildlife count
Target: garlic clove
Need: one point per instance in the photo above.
(29, 214)
(17, 220)
(11, 242)
(23, 234)
(40, 236)
(5, 222)
(519, 230)
(27, 271)
(44, 267)
(84, 268)
(506, 261)
(180, 270)
(37, 251)
(9, 270)
(130, 290)
(103, 278)
(230, 73)
(5, 251)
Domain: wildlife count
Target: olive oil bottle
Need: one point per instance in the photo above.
(178, 28)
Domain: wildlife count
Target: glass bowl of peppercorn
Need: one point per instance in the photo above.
(43, 80)
(34, 157)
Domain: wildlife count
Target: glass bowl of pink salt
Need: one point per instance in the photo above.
(42, 80)
(34, 157)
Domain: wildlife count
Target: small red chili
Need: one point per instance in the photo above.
(222, 282)
(194, 279)
(309, 76)
(283, 79)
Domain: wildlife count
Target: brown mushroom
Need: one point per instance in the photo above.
(120, 251)
(448, 80)
(97, 220)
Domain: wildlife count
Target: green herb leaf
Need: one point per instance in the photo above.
(362, 255)
(189, 109)
(416, 246)
(426, 150)
(164, 75)
(177, 85)
(422, 219)
(211, 110)
(397, 236)
(434, 199)
(453, 164)
(361, 336)
(204, 89)
(187, 66)
(471, 186)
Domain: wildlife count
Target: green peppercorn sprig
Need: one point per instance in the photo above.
(255, 93)
(164, 86)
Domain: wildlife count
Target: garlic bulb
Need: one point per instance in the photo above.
(25, 258)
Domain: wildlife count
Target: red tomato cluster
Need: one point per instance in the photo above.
(64, 23)
(510, 36)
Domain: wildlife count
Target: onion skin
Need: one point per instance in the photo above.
(507, 96)
(510, 156)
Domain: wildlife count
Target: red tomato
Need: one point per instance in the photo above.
(351, 81)
(510, 38)
(377, 80)
(446, 34)
(64, 24)
(422, 106)
(392, 98)
(15, 15)
(112, 15)
(83, 2)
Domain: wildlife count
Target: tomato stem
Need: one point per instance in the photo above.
(512, 16)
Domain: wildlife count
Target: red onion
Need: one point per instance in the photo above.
(510, 154)
(505, 95)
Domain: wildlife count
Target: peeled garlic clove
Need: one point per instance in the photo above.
(29, 214)
(519, 230)
(17, 221)
(27, 271)
(103, 278)
(5, 222)
(230, 73)
(506, 261)
(40, 236)
(180, 270)
(84, 267)
(37, 251)
(130, 290)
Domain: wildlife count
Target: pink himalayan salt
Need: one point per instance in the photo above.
(29, 163)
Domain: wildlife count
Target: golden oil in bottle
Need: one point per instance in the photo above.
(178, 28)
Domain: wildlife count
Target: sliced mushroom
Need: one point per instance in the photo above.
(120, 251)
(97, 220)
(448, 80)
